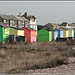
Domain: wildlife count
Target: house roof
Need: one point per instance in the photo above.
(65, 23)
(71, 24)
(17, 28)
(8, 17)
(49, 24)
(4, 16)
(13, 17)
(28, 17)
(24, 19)
(3, 25)
(21, 18)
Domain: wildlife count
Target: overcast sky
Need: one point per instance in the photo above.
(53, 12)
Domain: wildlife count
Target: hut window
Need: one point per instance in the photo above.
(6, 31)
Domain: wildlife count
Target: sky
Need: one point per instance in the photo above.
(45, 12)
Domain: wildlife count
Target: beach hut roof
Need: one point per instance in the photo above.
(65, 28)
(58, 29)
(30, 28)
(49, 29)
(3, 25)
(17, 28)
(51, 24)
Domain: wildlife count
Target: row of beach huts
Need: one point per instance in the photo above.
(6, 32)
(47, 34)
(30, 35)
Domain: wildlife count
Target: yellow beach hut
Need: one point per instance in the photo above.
(65, 32)
(71, 32)
(16, 31)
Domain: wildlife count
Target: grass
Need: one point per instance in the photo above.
(19, 57)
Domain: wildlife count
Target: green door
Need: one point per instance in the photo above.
(50, 36)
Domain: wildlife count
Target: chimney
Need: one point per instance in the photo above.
(25, 15)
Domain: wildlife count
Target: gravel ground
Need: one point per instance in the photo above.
(67, 68)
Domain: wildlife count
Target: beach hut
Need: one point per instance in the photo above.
(16, 31)
(60, 33)
(30, 33)
(4, 32)
(45, 35)
(71, 32)
(65, 32)
(54, 34)
(74, 33)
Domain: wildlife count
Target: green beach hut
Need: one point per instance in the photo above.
(45, 34)
(4, 32)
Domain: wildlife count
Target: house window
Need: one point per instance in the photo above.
(33, 20)
(6, 31)
(4, 21)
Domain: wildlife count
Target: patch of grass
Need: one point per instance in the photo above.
(53, 63)
(39, 55)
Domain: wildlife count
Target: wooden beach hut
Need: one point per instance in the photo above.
(74, 32)
(60, 33)
(71, 32)
(54, 34)
(65, 32)
(30, 33)
(45, 34)
(4, 32)
(16, 31)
